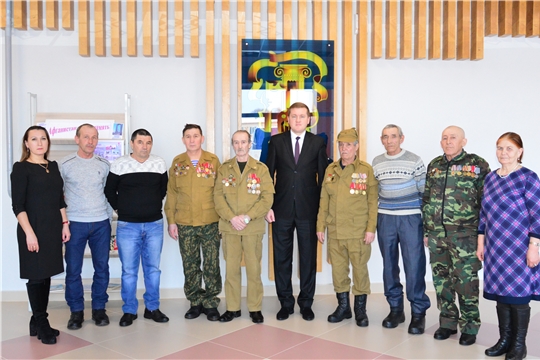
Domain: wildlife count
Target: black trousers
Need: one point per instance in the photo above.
(283, 243)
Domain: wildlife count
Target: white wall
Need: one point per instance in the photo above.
(486, 98)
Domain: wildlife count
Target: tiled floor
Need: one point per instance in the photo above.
(241, 339)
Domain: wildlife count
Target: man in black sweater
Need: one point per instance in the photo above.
(136, 186)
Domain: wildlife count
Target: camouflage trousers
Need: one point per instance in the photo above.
(455, 270)
(193, 239)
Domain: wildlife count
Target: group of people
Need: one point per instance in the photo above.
(463, 212)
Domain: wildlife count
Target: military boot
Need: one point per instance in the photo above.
(343, 310)
(360, 310)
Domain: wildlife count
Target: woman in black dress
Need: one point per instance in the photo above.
(38, 202)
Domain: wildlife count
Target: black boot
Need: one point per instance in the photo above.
(504, 314)
(343, 310)
(360, 310)
(44, 290)
(39, 302)
(520, 324)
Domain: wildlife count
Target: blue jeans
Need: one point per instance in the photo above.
(136, 242)
(407, 231)
(98, 236)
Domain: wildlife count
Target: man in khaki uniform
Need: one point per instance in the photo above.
(243, 195)
(348, 208)
(193, 221)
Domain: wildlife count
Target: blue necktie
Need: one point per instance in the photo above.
(297, 150)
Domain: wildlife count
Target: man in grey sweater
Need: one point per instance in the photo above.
(89, 214)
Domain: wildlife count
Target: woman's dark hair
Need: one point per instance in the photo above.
(26, 151)
(514, 139)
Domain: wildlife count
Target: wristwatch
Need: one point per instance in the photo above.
(247, 219)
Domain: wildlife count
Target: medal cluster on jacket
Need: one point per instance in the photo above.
(253, 184)
(330, 177)
(230, 181)
(180, 169)
(466, 170)
(206, 170)
(358, 183)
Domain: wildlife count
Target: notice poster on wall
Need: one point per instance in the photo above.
(110, 149)
(66, 128)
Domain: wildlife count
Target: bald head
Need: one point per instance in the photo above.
(453, 141)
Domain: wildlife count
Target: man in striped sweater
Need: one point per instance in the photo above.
(401, 175)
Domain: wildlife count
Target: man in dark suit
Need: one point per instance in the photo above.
(298, 160)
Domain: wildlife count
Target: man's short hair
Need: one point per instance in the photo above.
(241, 131)
(141, 132)
(189, 127)
(298, 105)
(78, 132)
(393, 126)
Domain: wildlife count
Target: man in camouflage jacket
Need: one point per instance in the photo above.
(451, 206)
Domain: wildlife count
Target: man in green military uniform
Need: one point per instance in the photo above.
(193, 221)
(348, 208)
(451, 206)
(243, 195)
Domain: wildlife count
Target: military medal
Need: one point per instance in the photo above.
(253, 184)
(180, 169)
(229, 181)
(206, 170)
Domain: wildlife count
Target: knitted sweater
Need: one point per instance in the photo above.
(84, 181)
(401, 182)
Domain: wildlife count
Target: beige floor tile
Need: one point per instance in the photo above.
(91, 352)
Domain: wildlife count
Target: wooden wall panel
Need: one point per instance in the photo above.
(68, 22)
(131, 15)
(163, 26)
(210, 75)
(533, 18)
(317, 19)
(147, 27)
(519, 18)
(347, 32)
(434, 37)
(84, 28)
(225, 79)
(303, 19)
(477, 29)
(287, 19)
(20, 14)
(241, 32)
(391, 28)
(333, 31)
(179, 28)
(36, 14)
(449, 29)
(406, 27)
(272, 19)
(420, 29)
(362, 77)
(376, 28)
(116, 28)
(463, 30)
(194, 26)
(99, 27)
(491, 8)
(51, 14)
(505, 17)
(3, 14)
(256, 19)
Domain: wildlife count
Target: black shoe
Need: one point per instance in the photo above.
(417, 325)
(307, 314)
(256, 316)
(155, 315)
(229, 315)
(284, 312)
(75, 320)
(393, 319)
(127, 319)
(212, 314)
(443, 333)
(467, 339)
(33, 328)
(100, 317)
(194, 312)
(45, 333)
